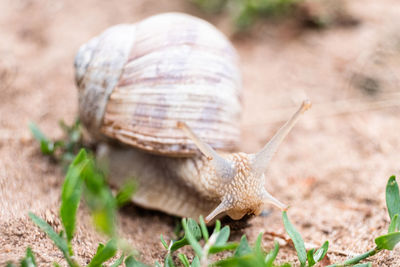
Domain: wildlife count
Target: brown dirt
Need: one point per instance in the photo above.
(332, 169)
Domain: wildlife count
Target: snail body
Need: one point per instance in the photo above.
(169, 89)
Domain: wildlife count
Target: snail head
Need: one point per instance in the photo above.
(242, 175)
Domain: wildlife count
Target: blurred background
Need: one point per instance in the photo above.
(344, 55)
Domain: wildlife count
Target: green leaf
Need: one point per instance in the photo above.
(222, 237)
(271, 256)
(29, 254)
(131, 262)
(104, 219)
(100, 200)
(217, 226)
(10, 264)
(249, 260)
(392, 197)
(227, 246)
(243, 248)
(104, 253)
(29, 260)
(203, 228)
(257, 246)
(56, 264)
(168, 262)
(58, 241)
(310, 258)
(394, 224)
(195, 231)
(37, 133)
(191, 233)
(71, 194)
(125, 193)
(184, 260)
(321, 252)
(118, 262)
(163, 242)
(388, 241)
(296, 238)
(195, 262)
(368, 264)
(46, 146)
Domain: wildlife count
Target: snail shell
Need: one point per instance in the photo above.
(136, 81)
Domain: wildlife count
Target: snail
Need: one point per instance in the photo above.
(168, 89)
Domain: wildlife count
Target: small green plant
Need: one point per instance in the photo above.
(244, 255)
(63, 150)
(383, 242)
(246, 12)
(83, 177)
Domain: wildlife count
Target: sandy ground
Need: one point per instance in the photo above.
(332, 169)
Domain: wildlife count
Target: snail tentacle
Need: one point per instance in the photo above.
(223, 167)
(263, 157)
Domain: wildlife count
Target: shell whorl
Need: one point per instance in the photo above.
(136, 81)
(98, 67)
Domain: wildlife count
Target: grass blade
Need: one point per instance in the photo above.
(195, 262)
(194, 230)
(118, 262)
(163, 242)
(131, 262)
(29, 260)
(71, 194)
(37, 133)
(168, 262)
(296, 238)
(257, 246)
(190, 234)
(100, 200)
(125, 193)
(104, 253)
(392, 197)
(46, 146)
(394, 224)
(223, 236)
(310, 258)
(271, 256)
(217, 226)
(58, 241)
(227, 246)
(203, 228)
(388, 241)
(184, 260)
(321, 252)
(243, 248)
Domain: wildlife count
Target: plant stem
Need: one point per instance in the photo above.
(357, 258)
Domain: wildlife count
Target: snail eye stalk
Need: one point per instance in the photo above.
(223, 167)
(263, 157)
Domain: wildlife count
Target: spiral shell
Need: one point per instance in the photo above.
(137, 80)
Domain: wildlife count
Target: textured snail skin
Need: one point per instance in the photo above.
(186, 187)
